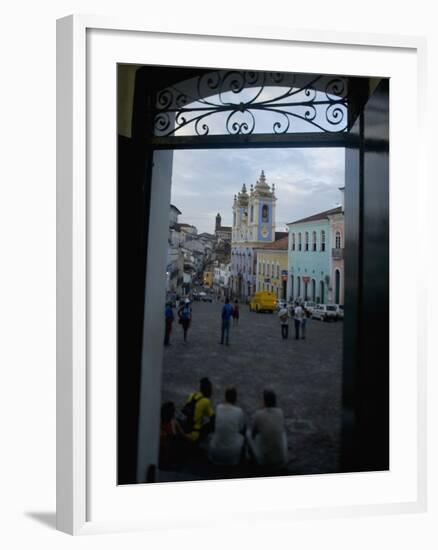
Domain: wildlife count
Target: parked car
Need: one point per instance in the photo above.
(281, 304)
(204, 297)
(340, 311)
(263, 301)
(325, 312)
(309, 306)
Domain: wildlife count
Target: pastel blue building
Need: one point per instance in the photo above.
(310, 257)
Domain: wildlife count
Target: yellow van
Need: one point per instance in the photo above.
(263, 301)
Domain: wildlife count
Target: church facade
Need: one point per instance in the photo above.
(253, 225)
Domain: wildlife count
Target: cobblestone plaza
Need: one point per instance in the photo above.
(305, 374)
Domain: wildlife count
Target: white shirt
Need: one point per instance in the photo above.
(298, 313)
(269, 436)
(226, 443)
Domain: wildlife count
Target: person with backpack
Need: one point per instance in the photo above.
(185, 317)
(199, 413)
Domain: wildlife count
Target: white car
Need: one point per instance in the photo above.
(309, 306)
(340, 312)
(281, 304)
(325, 312)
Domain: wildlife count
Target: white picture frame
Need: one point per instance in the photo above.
(79, 38)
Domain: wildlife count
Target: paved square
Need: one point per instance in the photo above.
(305, 374)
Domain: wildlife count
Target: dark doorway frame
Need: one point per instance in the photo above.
(366, 368)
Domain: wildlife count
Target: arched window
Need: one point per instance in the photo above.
(306, 241)
(293, 241)
(338, 239)
(299, 241)
(322, 241)
(263, 268)
(234, 218)
(314, 241)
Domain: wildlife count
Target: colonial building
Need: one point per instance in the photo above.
(312, 245)
(337, 256)
(272, 268)
(253, 225)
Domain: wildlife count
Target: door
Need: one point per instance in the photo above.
(366, 326)
(337, 285)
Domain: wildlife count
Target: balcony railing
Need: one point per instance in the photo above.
(338, 253)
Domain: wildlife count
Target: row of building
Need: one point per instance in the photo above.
(306, 262)
(191, 255)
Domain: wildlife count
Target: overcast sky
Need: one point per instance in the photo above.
(204, 182)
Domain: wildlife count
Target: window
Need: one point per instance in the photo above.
(307, 241)
(293, 241)
(234, 218)
(252, 213)
(278, 271)
(299, 241)
(314, 241)
(263, 268)
(267, 270)
(338, 239)
(260, 269)
(322, 241)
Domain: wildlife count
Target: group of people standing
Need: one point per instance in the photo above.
(184, 312)
(299, 314)
(223, 433)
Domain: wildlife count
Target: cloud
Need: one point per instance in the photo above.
(204, 182)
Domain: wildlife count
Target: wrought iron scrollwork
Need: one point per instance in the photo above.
(249, 99)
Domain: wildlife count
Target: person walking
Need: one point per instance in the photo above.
(185, 318)
(236, 313)
(283, 315)
(298, 318)
(169, 318)
(227, 313)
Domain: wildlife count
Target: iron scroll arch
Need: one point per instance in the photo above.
(239, 103)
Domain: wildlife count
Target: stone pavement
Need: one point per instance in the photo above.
(305, 374)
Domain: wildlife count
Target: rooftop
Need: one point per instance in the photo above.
(320, 216)
(280, 244)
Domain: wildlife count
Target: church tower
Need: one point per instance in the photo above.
(218, 222)
(262, 201)
(240, 216)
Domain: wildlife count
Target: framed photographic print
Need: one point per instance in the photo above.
(232, 308)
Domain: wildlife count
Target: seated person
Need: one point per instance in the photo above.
(267, 439)
(173, 440)
(227, 441)
(199, 412)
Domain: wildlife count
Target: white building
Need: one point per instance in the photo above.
(253, 224)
